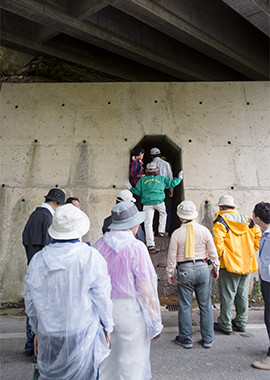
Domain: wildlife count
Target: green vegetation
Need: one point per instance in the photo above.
(11, 61)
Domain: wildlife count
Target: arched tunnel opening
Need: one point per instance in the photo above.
(172, 154)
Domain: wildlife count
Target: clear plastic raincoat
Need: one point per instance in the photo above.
(68, 302)
(136, 309)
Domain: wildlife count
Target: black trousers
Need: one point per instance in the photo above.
(265, 287)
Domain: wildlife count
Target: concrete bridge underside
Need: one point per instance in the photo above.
(145, 40)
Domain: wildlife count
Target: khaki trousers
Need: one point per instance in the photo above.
(233, 289)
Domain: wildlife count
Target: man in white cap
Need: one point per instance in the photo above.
(166, 171)
(151, 188)
(123, 196)
(190, 247)
(164, 167)
(68, 301)
(237, 238)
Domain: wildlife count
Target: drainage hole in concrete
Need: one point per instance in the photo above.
(172, 307)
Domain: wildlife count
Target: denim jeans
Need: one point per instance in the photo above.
(29, 345)
(195, 277)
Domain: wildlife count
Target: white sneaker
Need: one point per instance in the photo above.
(207, 344)
(262, 364)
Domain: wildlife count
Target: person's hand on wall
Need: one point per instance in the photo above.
(128, 185)
(180, 175)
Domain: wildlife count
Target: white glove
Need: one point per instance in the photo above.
(128, 185)
(180, 175)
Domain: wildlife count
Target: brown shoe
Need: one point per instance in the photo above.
(152, 250)
(262, 364)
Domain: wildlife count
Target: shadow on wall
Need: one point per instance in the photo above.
(173, 154)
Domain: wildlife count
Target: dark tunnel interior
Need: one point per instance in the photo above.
(171, 153)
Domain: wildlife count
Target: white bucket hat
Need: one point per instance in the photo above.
(154, 151)
(226, 200)
(187, 210)
(125, 196)
(125, 215)
(151, 166)
(69, 222)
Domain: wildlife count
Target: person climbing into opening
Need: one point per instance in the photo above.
(166, 171)
(151, 188)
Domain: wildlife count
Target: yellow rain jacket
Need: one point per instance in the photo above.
(237, 238)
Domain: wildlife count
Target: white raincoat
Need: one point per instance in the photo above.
(136, 309)
(68, 302)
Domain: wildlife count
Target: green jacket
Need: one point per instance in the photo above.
(151, 188)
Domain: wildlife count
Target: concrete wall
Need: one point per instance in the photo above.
(79, 136)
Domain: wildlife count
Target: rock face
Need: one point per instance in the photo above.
(17, 67)
(160, 261)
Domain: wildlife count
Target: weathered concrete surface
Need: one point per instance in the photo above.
(79, 137)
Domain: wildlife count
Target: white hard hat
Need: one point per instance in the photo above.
(125, 196)
(226, 200)
(154, 151)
